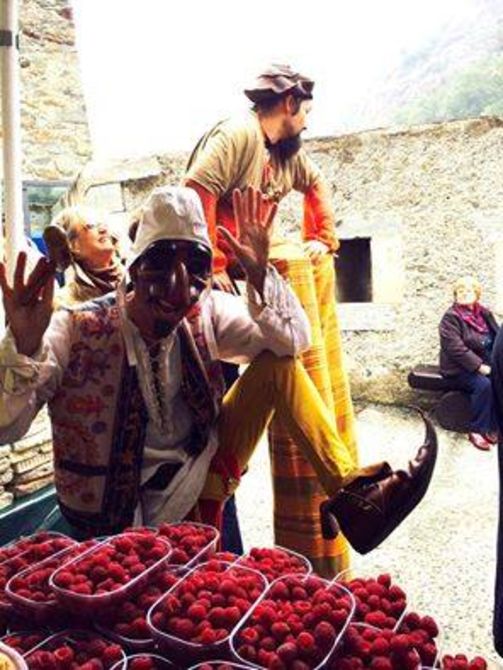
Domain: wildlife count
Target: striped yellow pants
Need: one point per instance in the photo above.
(297, 489)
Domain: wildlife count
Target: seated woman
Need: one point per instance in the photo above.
(95, 267)
(467, 334)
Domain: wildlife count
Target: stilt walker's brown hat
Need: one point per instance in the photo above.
(278, 80)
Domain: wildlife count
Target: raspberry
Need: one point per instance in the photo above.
(197, 612)
(299, 593)
(324, 635)
(374, 602)
(279, 591)
(217, 616)
(275, 663)
(385, 580)
(249, 635)
(379, 647)
(83, 589)
(338, 618)
(377, 619)
(399, 644)
(208, 636)
(413, 620)
(306, 644)
(429, 625)
(375, 589)
(112, 654)
(396, 593)
(233, 615)
(279, 630)
(64, 579)
(184, 629)
(411, 660)
(428, 653)
(64, 655)
(228, 587)
(287, 652)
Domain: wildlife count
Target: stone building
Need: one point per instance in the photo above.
(55, 145)
(55, 136)
(416, 208)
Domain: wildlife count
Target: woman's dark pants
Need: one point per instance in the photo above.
(479, 388)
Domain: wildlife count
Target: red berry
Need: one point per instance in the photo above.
(306, 643)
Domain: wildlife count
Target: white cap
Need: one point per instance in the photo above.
(170, 213)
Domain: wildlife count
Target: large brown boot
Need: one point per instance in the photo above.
(378, 499)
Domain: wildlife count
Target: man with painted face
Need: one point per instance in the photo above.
(142, 432)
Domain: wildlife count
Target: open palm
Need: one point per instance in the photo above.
(28, 304)
(254, 216)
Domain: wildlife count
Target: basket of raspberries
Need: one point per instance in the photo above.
(296, 625)
(365, 646)
(127, 622)
(30, 593)
(276, 562)
(379, 601)
(22, 560)
(109, 573)
(195, 619)
(75, 650)
(14, 548)
(191, 542)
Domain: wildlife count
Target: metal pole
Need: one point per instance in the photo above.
(11, 121)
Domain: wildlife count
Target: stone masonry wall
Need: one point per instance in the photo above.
(431, 200)
(55, 136)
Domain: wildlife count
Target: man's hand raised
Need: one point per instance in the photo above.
(254, 216)
(28, 305)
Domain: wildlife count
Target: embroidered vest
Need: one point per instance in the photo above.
(99, 418)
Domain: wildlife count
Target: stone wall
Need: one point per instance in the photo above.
(55, 136)
(429, 198)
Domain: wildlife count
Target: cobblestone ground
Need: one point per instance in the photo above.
(444, 553)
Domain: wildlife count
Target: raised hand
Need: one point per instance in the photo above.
(254, 216)
(28, 305)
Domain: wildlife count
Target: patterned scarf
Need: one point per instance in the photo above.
(105, 279)
(473, 316)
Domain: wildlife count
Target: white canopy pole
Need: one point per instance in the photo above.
(11, 122)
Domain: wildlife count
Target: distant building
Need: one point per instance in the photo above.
(55, 135)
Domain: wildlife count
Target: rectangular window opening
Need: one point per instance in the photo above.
(353, 269)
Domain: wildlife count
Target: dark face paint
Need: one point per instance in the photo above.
(169, 280)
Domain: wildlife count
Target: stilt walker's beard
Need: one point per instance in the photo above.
(285, 149)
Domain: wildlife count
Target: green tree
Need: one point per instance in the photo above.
(474, 91)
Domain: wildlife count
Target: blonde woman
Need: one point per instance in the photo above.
(95, 264)
(467, 334)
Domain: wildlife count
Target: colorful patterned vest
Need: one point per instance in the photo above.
(99, 418)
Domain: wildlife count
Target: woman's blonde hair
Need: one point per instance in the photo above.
(467, 281)
(70, 216)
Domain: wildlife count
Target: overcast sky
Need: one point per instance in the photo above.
(158, 73)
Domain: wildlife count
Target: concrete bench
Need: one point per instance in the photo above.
(453, 409)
